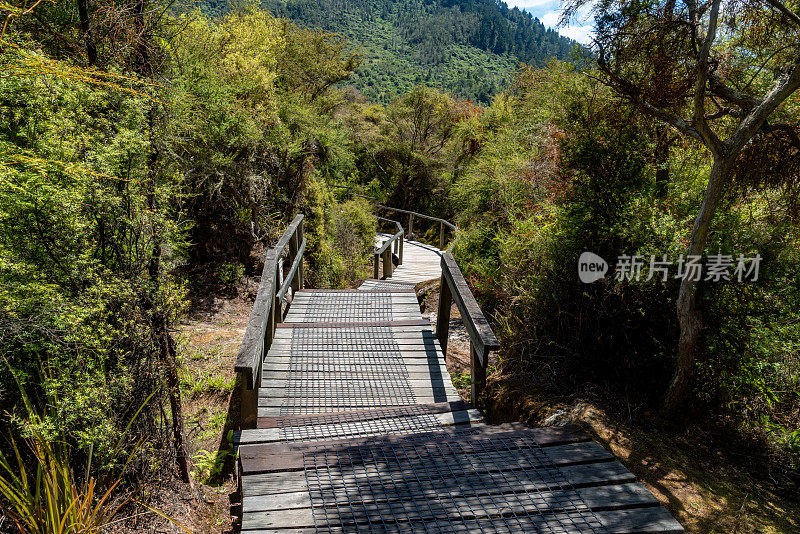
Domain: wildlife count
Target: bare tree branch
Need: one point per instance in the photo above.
(791, 15)
(633, 93)
(699, 121)
(743, 100)
(787, 83)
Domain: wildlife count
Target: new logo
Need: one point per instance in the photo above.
(591, 267)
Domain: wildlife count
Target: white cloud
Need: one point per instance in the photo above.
(582, 34)
(549, 12)
(551, 19)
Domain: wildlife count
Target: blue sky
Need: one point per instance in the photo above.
(549, 12)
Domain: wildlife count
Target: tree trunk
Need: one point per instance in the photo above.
(689, 316)
(166, 344)
(86, 29)
(662, 160)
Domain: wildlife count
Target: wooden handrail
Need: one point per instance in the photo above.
(482, 340)
(411, 214)
(384, 252)
(267, 313)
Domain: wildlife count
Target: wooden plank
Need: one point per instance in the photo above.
(346, 430)
(320, 316)
(356, 339)
(413, 365)
(330, 337)
(320, 382)
(486, 501)
(311, 291)
(475, 462)
(289, 456)
(329, 397)
(360, 298)
(354, 403)
(348, 324)
(435, 408)
(417, 327)
(545, 437)
(366, 357)
(639, 521)
(280, 481)
(415, 372)
(636, 521)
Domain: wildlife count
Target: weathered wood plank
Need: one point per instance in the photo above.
(273, 483)
(352, 429)
(351, 324)
(397, 332)
(326, 397)
(651, 520)
(639, 521)
(419, 372)
(435, 408)
(597, 498)
(288, 456)
(322, 405)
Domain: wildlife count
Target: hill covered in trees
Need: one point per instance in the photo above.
(469, 48)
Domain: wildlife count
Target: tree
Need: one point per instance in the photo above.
(718, 77)
(418, 130)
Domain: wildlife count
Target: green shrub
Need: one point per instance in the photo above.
(229, 274)
(352, 237)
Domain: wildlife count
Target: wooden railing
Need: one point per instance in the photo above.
(411, 214)
(443, 224)
(454, 288)
(267, 312)
(383, 254)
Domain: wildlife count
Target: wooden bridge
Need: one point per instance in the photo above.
(355, 426)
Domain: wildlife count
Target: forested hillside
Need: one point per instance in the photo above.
(469, 48)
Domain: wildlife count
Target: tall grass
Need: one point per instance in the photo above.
(48, 499)
(40, 494)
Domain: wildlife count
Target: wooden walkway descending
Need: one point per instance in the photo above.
(360, 429)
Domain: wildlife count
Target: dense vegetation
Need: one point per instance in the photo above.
(149, 153)
(468, 48)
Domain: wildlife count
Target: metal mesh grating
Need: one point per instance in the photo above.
(404, 420)
(427, 484)
(374, 306)
(359, 369)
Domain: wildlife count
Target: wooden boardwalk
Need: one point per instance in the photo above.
(421, 263)
(359, 429)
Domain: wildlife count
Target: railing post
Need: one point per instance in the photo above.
(387, 263)
(277, 305)
(443, 314)
(400, 251)
(297, 284)
(294, 246)
(410, 224)
(477, 365)
(441, 235)
(376, 266)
